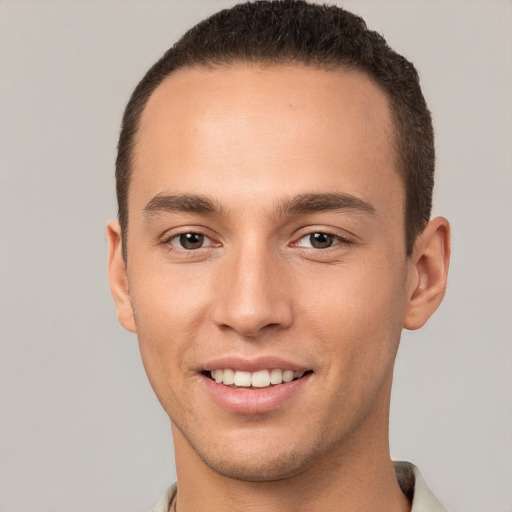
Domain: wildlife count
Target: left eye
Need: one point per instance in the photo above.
(190, 241)
(318, 240)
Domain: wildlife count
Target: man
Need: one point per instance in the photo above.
(274, 180)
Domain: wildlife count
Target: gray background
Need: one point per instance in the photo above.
(80, 429)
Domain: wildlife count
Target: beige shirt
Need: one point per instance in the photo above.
(408, 475)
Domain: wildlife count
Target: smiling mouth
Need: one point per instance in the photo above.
(254, 380)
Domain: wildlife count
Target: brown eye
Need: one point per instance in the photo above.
(190, 241)
(321, 240)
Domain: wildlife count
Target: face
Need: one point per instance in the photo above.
(266, 243)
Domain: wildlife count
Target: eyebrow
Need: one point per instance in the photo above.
(301, 204)
(187, 203)
(312, 203)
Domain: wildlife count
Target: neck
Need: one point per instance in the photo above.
(357, 475)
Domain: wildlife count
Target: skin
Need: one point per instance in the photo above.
(251, 139)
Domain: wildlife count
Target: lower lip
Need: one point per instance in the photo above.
(254, 401)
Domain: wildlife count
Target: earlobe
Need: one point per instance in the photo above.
(428, 273)
(118, 278)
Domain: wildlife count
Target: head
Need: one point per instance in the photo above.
(274, 193)
(320, 36)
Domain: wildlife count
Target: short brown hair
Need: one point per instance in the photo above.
(288, 31)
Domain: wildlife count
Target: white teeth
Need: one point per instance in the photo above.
(243, 379)
(276, 376)
(259, 379)
(288, 375)
(229, 377)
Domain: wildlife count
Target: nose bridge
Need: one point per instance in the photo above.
(252, 293)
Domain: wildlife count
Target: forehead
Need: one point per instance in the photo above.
(207, 130)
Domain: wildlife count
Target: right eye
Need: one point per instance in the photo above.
(190, 241)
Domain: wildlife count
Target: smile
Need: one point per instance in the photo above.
(255, 392)
(258, 379)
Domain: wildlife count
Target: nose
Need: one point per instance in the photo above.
(252, 297)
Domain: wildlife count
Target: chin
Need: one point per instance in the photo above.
(263, 469)
(256, 458)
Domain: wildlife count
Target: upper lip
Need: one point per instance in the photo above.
(254, 364)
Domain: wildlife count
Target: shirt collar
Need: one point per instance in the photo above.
(415, 488)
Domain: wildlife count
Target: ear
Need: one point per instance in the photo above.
(428, 273)
(117, 277)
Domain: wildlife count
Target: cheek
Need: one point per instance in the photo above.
(168, 309)
(167, 300)
(358, 312)
(357, 328)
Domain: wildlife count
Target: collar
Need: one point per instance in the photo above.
(415, 488)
